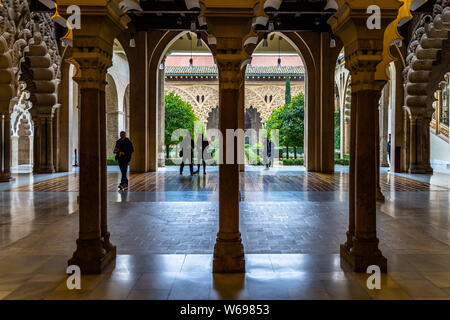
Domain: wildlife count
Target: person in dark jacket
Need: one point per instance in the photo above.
(267, 152)
(187, 145)
(123, 150)
(202, 145)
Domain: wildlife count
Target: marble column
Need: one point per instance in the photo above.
(228, 250)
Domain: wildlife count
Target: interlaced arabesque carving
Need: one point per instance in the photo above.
(205, 98)
(423, 56)
(343, 82)
(17, 27)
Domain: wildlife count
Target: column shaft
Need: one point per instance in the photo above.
(228, 250)
(365, 245)
(5, 150)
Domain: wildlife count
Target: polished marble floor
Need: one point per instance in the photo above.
(291, 232)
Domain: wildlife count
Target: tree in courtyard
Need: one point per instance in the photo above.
(287, 94)
(289, 120)
(179, 115)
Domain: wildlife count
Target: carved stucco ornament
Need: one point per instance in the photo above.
(392, 35)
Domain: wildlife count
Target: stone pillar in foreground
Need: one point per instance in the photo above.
(92, 56)
(228, 32)
(363, 53)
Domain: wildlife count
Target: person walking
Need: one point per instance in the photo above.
(267, 152)
(202, 145)
(187, 145)
(123, 150)
(389, 149)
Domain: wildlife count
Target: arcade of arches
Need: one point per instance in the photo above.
(66, 94)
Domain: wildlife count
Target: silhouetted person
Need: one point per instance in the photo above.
(187, 145)
(123, 150)
(202, 145)
(267, 152)
(389, 148)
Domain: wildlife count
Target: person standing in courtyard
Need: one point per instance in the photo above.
(187, 154)
(267, 152)
(123, 150)
(202, 146)
(389, 149)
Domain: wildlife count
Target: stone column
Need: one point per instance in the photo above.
(365, 250)
(139, 102)
(326, 115)
(161, 117)
(345, 248)
(347, 142)
(43, 137)
(379, 194)
(419, 140)
(384, 126)
(228, 250)
(5, 151)
(229, 31)
(351, 27)
(241, 115)
(105, 235)
(5, 147)
(342, 130)
(92, 56)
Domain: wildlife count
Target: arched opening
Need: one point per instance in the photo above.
(112, 114)
(440, 142)
(188, 79)
(275, 86)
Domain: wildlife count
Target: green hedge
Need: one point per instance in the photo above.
(111, 161)
(344, 162)
(293, 162)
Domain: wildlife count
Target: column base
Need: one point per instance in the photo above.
(6, 178)
(161, 160)
(418, 170)
(360, 262)
(46, 169)
(229, 256)
(380, 195)
(91, 256)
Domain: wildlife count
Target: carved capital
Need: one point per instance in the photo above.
(91, 67)
(230, 74)
(363, 46)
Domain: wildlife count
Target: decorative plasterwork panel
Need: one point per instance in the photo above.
(203, 99)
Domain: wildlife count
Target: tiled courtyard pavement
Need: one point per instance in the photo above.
(165, 240)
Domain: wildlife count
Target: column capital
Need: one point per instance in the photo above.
(91, 68)
(231, 38)
(93, 43)
(363, 46)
